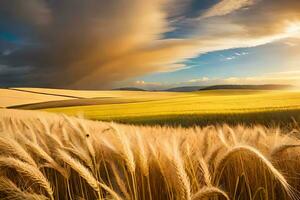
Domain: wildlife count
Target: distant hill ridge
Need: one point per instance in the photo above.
(130, 89)
(215, 87)
(248, 87)
(185, 89)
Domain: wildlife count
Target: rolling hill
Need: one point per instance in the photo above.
(39, 98)
(185, 89)
(9, 97)
(130, 89)
(215, 87)
(248, 87)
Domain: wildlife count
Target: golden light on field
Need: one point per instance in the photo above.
(149, 100)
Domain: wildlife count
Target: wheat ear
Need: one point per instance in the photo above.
(252, 151)
(10, 191)
(279, 149)
(142, 155)
(27, 170)
(182, 177)
(208, 192)
(13, 148)
(86, 174)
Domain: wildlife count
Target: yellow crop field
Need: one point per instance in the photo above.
(10, 97)
(49, 156)
(187, 106)
(149, 100)
(173, 108)
(101, 93)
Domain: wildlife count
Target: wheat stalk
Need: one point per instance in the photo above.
(126, 150)
(182, 177)
(120, 182)
(252, 151)
(13, 148)
(28, 171)
(142, 155)
(208, 192)
(9, 190)
(86, 174)
(80, 169)
(280, 148)
(165, 156)
(205, 171)
(37, 150)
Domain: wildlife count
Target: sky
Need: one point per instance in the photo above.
(151, 44)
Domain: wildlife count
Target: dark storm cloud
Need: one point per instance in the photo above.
(66, 40)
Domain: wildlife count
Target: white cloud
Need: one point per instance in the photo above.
(144, 84)
(200, 80)
(241, 53)
(234, 56)
(230, 58)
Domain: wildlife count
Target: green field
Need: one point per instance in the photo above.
(205, 107)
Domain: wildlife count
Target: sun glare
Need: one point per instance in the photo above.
(293, 28)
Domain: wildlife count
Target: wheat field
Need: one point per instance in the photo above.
(49, 156)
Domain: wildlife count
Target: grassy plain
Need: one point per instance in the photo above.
(53, 98)
(92, 94)
(172, 108)
(205, 107)
(10, 97)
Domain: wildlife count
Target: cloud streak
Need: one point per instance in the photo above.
(225, 7)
